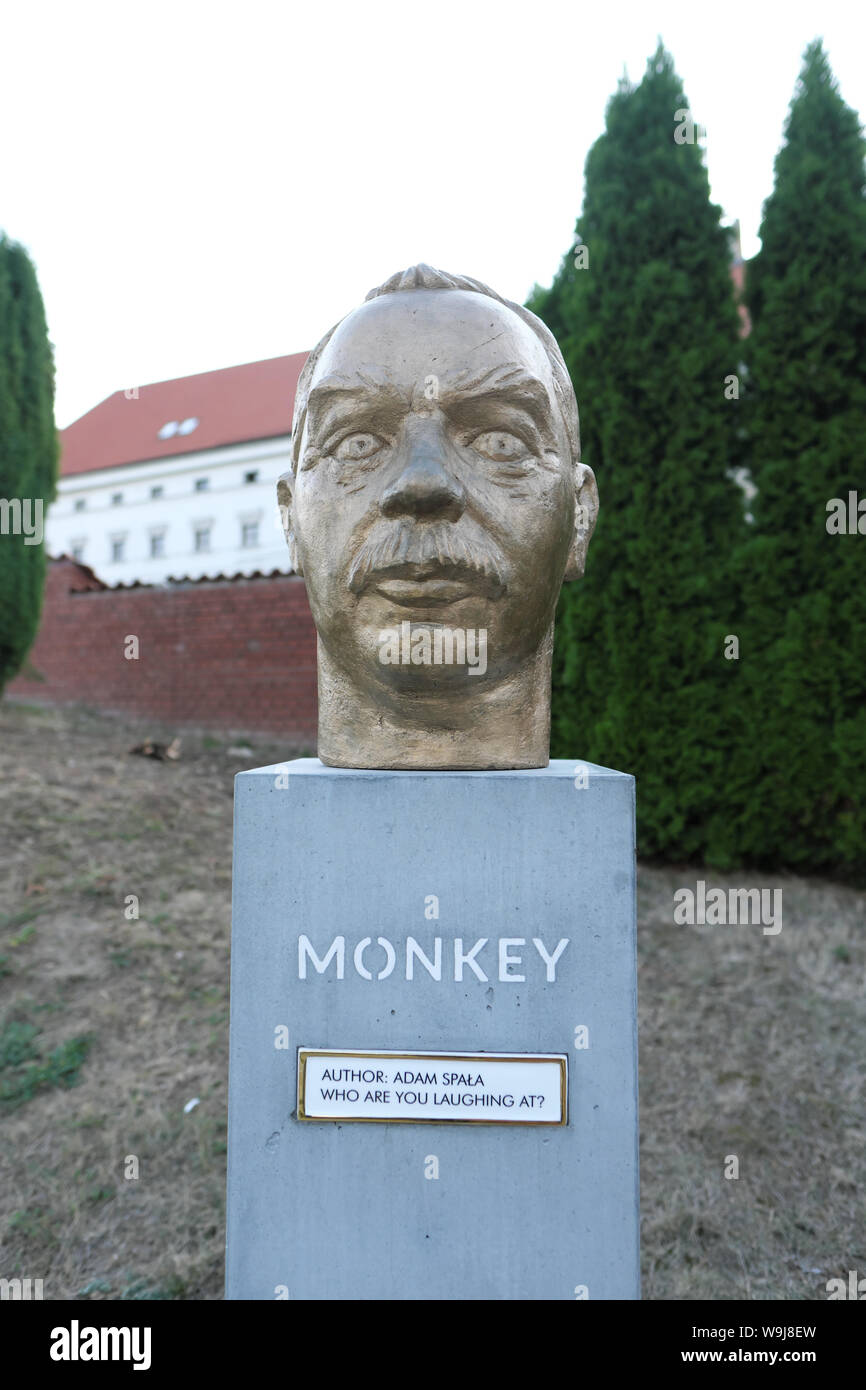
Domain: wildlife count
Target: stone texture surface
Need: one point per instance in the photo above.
(344, 1211)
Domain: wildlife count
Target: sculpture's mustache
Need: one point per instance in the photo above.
(430, 550)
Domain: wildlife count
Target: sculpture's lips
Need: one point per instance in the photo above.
(430, 584)
(411, 593)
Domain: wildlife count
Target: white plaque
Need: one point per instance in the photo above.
(399, 1087)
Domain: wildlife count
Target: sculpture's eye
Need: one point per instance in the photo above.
(354, 448)
(500, 446)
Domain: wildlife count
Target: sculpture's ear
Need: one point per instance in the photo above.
(585, 517)
(285, 491)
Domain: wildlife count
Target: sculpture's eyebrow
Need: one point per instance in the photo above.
(508, 385)
(338, 388)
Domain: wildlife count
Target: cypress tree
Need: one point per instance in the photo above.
(28, 453)
(649, 331)
(804, 740)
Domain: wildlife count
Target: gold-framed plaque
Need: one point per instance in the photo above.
(350, 1085)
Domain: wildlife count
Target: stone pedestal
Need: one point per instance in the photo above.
(336, 944)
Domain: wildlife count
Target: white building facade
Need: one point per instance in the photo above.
(192, 516)
(178, 480)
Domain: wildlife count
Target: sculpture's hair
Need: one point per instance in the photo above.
(425, 277)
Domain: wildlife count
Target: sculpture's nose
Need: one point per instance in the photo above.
(424, 485)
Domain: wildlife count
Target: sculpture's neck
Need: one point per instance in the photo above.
(499, 724)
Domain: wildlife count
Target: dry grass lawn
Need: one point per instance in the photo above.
(751, 1045)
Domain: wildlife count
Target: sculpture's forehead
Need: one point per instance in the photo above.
(418, 332)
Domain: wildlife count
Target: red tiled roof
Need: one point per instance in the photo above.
(82, 579)
(233, 405)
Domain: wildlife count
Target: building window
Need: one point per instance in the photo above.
(118, 547)
(201, 484)
(202, 538)
(79, 504)
(157, 544)
(249, 534)
(156, 490)
(116, 499)
(252, 476)
(76, 550)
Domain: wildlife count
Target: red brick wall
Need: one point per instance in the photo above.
(224, 654)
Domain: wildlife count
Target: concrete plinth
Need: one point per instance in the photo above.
(338, 879)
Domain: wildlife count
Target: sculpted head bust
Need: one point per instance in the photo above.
(435, 504)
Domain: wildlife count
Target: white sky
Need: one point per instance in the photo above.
(201, 184)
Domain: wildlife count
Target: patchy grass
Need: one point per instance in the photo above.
(37, 1227)
(61, 1067)
(16, 1043)
(131, 1287)
(84, 827)
(751, 1045)
(751, 1048)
